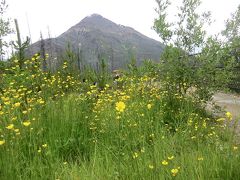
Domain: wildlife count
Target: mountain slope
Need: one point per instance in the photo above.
(96, 37)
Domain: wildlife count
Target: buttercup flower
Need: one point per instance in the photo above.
(170, 158)
(149, 106)
(174, 172)
(229, 115)
(120, 106)
(150, 166)
(2, 142)
(164, 162)
(26, 123)
(10, 126)
(17, 104)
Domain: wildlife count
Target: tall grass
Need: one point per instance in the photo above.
(130, 129)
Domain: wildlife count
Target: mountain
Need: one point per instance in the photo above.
(96, 37)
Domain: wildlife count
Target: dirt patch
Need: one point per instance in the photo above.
(228, 102)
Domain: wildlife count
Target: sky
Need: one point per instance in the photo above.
(56, 16)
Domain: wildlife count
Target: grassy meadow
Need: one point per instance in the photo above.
(56, 126)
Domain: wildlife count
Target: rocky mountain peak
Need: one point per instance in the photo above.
(100, 37)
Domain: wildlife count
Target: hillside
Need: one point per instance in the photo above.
(96, 37)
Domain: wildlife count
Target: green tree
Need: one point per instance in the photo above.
(182, 65)
(232, 44)
(232, 29)
(43, 53)
(5, 28)
(71, 57)
(232, 33)
(20, 46)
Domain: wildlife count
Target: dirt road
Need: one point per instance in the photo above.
(229, 102)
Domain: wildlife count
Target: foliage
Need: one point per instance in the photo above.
(71, 57)
(54, 126)
(145, 124)
(181, 63)
(232, 43)
(232, 32)
(19, 46)
(102, 74)
(5, 28)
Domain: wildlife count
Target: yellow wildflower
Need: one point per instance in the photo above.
(229, 115)
(14, 118)
(170, 158)
(120, 106)
(220, 119)
(2, 142)
(17, 104)
(200, 158)
(7, 102)
(44, 145)
(164, 162)
(135, 155)
(10, 126)
(41, 101)
(174, 172)
(149, 106)
(26, 123)
(150, 166)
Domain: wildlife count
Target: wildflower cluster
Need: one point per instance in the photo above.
(139, 128)
(23, 90)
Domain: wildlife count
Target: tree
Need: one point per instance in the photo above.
(43, 53)
(232, 33)
(20, 46)
(4, 28)
(187, 33)
(232, 43)
(182, 65)
(232, 29)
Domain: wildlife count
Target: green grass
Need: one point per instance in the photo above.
(78, 133)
